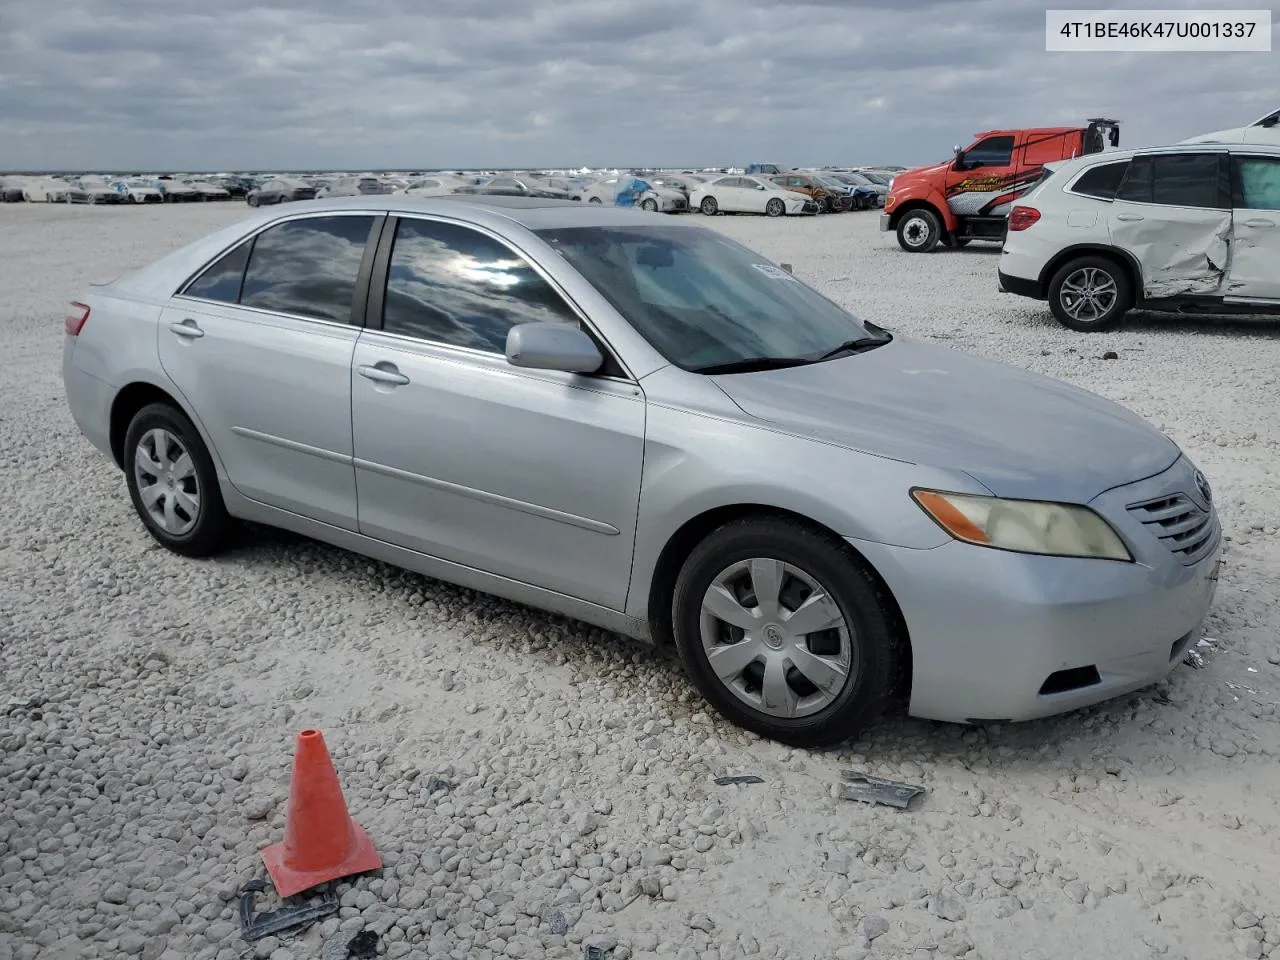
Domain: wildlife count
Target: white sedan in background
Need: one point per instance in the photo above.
(736, 194)
(138, 191)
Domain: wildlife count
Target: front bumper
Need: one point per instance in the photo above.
(990, 630)
(885, 224)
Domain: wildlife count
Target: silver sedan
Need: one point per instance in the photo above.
(645, 425)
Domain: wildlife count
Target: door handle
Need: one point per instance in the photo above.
(383, 373)
(187, 328)
(1129, 217)
(1258, 222)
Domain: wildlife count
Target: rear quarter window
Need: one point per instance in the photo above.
(1101, 181)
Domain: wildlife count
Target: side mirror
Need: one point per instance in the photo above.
(552, 346)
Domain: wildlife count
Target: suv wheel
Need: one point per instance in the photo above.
(785, 632)
(1090, 293)
(919, 231)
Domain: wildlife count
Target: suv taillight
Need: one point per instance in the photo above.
(76, 317)
(1022, 217)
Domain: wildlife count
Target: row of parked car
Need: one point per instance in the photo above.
(761, 188)
(104, 190)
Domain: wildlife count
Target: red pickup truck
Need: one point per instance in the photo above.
(968, 197)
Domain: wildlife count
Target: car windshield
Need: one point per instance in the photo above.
(706, 302)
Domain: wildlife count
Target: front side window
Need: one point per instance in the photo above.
(452, 284)
(991, 152)
(702, 300)
(1101, 181)
(307, 267)
(221, 280)
(1258, 180)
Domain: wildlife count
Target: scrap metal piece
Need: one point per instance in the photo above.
(746, 778)
(286, 918)
(363, 946)
(1194, 659)
(868, 789)
(592, 952)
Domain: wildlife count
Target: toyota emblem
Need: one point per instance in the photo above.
(1202, 484)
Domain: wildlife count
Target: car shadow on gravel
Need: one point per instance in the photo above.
(1149, 321)
(1123, 725)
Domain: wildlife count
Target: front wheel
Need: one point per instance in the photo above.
(252, 200)
(919, 231)
(595, 200)
(709, 206)
(785, 632)
(651, 205)
(172, 482)
(1090, 293)
(775, 207)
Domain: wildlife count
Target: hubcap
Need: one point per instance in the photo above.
(776, 638)
(167, 482)
(916, 231)
(1088, 294)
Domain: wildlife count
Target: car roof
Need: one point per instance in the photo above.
(1116, 156)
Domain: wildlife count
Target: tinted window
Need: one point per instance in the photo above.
(991, 152)
(307, 267)
(221, 281)
(1177, 179)
(454, 285)
(1258, 180)
(1101, 181)
(701, 299)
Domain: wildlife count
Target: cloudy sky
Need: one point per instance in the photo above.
(283, 84)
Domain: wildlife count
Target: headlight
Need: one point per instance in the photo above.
(1025, 526)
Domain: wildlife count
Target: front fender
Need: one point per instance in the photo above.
(910, 195)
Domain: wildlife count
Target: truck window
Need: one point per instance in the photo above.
(991, 152)
(1101, 181)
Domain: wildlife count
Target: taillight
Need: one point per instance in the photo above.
(76, 317)
(1022, 217)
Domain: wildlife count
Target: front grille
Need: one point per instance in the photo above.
(1188, 530)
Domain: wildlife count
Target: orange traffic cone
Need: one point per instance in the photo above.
(321, 841)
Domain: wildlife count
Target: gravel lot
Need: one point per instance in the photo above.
(150, 704)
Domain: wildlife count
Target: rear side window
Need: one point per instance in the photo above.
(454, 285)
(307, 267)
(1178, 180)
(1101, 181)
(221, 280)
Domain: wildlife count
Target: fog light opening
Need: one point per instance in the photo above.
(1064, 681)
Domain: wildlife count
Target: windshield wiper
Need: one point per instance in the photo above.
(858, 345)
(750, 364)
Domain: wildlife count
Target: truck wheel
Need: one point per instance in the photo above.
(919, 231)
(1090, 293)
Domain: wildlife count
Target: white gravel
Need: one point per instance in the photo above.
(150, 704)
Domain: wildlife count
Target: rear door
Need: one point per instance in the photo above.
(1254, 273)
(980, 175)
(1172, 214)
(260, 345)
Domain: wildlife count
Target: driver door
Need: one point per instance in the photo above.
(980, 175)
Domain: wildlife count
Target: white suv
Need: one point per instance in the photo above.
(1185, 228)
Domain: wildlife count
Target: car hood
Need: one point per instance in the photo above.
(1020, 434)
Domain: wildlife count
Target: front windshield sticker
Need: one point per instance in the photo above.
(769, 270)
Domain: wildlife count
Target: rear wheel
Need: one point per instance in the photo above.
(785, 632)
(1090, 293)
(775, 207)
(709, 206)
(919, 231)
(172, 482)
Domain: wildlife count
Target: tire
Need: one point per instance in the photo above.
(865, 649)
(651, 205)
(252, 200)
(595, 200)
(709, 206)
(775, 207)
(197, 531)
(1103, 281)
(919, 231)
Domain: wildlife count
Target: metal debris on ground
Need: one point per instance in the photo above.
(592, 952)
(745, 778)
(363, 946)
(438, 785)
(1194, 659)
(286, 918)
(868, 789)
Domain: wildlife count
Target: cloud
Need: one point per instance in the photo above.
(306, 84)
